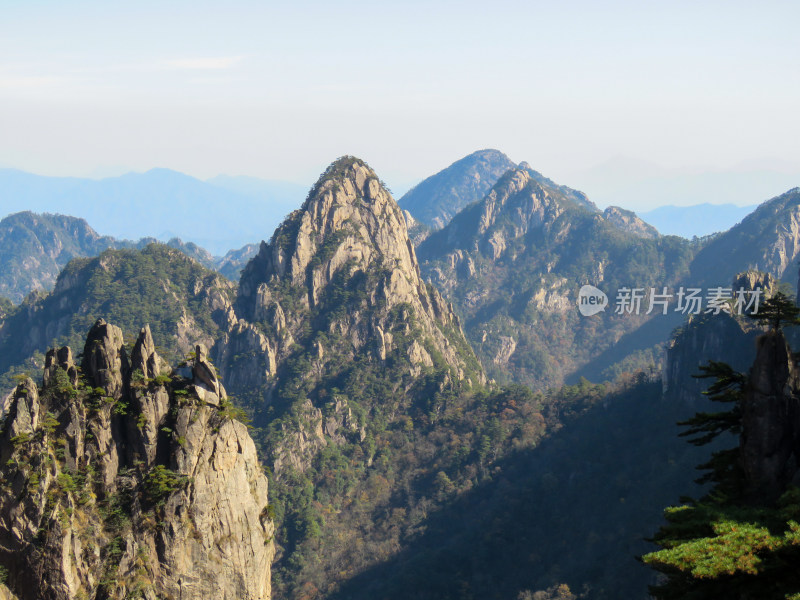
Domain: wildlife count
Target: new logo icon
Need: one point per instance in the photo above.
(591, 300)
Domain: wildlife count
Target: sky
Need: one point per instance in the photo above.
(279, 90)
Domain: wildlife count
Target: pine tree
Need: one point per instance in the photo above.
(722, 545)
(780, 310)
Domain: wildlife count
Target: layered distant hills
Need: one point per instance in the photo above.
(225, 213)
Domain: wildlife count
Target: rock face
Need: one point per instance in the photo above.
(438, 198)
(514, 261)
(627, 220)
(722, 338)
(770, 440)
(338, 284)
(767, 240)
(119, 482)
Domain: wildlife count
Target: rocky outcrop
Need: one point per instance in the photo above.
(727, 338)
(770, 439)
(767, 240)
(417, 231)
(124, 482)
(438, 198)
(626, 220)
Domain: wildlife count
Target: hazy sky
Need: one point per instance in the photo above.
(278, 90)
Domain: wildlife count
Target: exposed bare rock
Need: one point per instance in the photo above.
(338, 283)
(207, 385)
(507, 347)
(770, 440)
(417, 231)
(626, 220)
(774, 225)
(60, 360)
(727, 338)
(104, 360)
(144, 357)
(127, 483)
(756, 280)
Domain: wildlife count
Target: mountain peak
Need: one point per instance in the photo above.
(627, 220)
(349, 218)
(437, 199)
(349, 175)
(342, 264)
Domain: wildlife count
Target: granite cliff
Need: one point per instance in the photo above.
(124, 478)
(728, 338)
(339, 284)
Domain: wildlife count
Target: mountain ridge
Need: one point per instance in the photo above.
(34, 248)
(138, 205)
(513, 262)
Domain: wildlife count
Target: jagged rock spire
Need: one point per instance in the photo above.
(770, 440)
(144, 356)
(138, 484)
(104, 357)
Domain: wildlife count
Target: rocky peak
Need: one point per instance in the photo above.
(517, 204)
(144, 356)
(60, 359)
(770, 440)
(349, 217)
(206, 383)
(104, 358)
(628, 221)
(126, 483)
(349, 230)
(440, 197)
(339, 281)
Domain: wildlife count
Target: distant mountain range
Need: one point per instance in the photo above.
(225, 213)
(513, 262)
(35, 247)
